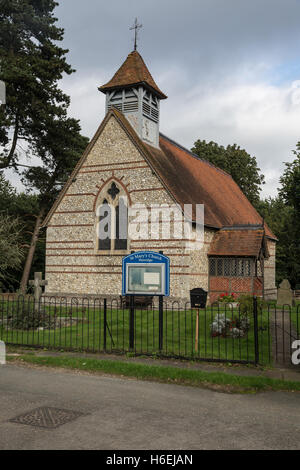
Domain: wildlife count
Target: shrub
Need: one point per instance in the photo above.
(227, 298)
(26, 319)
(246, 304)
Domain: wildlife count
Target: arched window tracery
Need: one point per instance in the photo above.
(112, 213)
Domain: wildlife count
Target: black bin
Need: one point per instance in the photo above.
(198, 297)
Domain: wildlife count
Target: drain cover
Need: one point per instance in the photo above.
(47, 417)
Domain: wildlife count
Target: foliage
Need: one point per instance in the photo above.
(32, 63)
(25, 208)
(11, 248)
(235, 161)
(28, 319)
(282, 215)
(246, 304)
(290, 182)
(227, 298)
(168, 374)
(229, 325)
(59, 149)
(280, 218)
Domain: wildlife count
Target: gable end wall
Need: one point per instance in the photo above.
(73, 264)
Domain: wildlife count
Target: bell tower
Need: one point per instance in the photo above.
(133, 91)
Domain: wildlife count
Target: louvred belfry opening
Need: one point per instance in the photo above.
(133, 91)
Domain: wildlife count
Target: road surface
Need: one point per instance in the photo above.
(129, 414)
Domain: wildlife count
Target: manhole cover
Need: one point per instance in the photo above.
(47, 417)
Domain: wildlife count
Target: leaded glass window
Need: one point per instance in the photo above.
(231, 267)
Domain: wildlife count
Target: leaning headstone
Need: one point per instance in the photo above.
(2, 353)
(285, 293)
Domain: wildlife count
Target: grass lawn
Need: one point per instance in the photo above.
(295, 317)
(85, 331)
(217, 380)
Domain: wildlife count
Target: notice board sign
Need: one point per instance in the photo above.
(146, 273)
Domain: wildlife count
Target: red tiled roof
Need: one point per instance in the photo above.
(195, 181)
(237, 243)
(188, 179)
(132, 72)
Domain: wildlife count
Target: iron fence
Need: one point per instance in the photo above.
(219, 333)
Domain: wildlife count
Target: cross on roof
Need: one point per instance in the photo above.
(136, 26)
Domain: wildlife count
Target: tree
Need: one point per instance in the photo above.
(23, 207)
(7, 194)
(59, 149)
(290, 194)
(290, 183)
(11, 248)
(279, 217)
(235, 161)
(31, 64)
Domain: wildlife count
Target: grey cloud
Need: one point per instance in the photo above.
(200, 52)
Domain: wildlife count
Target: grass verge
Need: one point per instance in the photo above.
(215, 380)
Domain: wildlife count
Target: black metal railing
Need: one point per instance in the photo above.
(218, 333)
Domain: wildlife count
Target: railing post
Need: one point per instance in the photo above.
(255, 319)
(161, 321)
(104, 324)
(161, 317)
(131, 323)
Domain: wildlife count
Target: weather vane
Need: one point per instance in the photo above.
(136, 26)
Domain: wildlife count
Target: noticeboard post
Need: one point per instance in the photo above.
(146, 273)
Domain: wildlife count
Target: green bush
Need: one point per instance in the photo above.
(246, 304)
(26, 319)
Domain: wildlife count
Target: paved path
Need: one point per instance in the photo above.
(283, 335)
(130, 414)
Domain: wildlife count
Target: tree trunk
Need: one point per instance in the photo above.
(35, 236)
(7, 161)
(34, 239)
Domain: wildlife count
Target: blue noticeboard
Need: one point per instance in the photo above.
(146, 273)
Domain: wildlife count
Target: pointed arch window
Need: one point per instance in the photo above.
(112, 219)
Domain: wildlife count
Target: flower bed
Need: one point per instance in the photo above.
(229, 326)
(227, 298)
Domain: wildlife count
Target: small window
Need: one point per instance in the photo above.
(219, 267)
(231, 267)
(212, 267)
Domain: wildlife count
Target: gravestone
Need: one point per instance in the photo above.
(285, 293)
(37, 283)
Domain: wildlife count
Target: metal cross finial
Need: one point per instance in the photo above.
(136, 26)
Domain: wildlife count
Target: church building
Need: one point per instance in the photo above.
(128, 162)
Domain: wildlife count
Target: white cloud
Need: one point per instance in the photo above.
(260, 117)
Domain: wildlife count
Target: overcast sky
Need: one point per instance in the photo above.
(230, 68)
